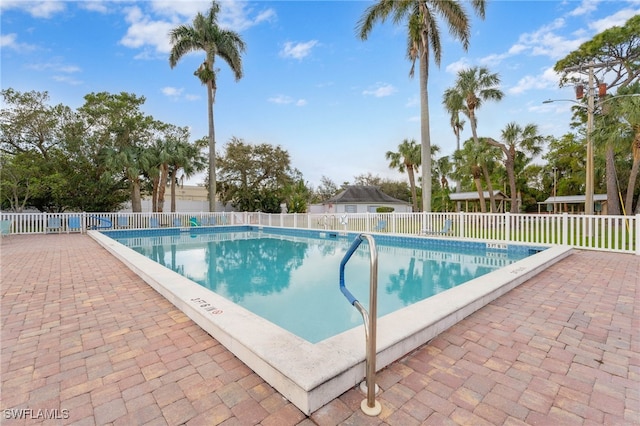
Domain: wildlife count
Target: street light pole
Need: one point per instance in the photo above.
(588, 199)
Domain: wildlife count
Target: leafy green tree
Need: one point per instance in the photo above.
(206, 35)
(325, 190)
(367, 179)
(477, 159)
(20, 179)
(51, 142)
(473, 87)
(254, 177)
(442, 170)
(397, 189)
(618, 47)
(28, 123)
(628, 123)
(423, 38)
(517, 139)
(407, 158)
(120, 133)
(296, 196)
(567, 156)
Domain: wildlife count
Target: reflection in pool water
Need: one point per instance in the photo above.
(293, 281)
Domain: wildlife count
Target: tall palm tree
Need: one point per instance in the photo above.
(452, 102)
(517, 139)
(472, 88)
(423, 38)
(206, 35)
(407, 158)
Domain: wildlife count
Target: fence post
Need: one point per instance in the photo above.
(638, 235)
(394, 216)
(507, 226)
(565, 228)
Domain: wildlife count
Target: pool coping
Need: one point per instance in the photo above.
(311, 375)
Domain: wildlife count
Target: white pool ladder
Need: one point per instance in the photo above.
(369, 406)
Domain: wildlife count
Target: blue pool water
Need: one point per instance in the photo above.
(291, 277)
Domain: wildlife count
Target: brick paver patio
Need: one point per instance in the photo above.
(87, 341)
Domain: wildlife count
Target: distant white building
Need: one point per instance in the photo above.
(189, 199)
(574, 204)
(363, 199)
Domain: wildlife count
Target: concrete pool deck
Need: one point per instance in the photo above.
(310, 375)
(83, 335)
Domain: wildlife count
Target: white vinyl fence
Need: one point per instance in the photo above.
(594, 232)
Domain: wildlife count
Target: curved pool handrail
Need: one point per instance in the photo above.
(354, 246)
(369, 406)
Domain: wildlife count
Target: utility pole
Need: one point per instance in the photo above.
(589, 181)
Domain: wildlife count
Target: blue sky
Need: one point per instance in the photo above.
(335, 103)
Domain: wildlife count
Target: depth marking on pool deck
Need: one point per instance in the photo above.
(205, 306)
(518, 270)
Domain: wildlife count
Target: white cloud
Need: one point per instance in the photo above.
(460, 64)
(413, 101)
(286, 100)
(618, 19)
(237, 16)
(281, 99)
(151, 32)
(234, 15)
(144, 32)
(96, 5)
(9, 40)
(547, 80)
(545, 41)
(380, 90)
(172, 92)
(55, 66)
(67, 79)
(37, 9)
(585, 7)
(494, 59)
(297, 50)
(176, 93)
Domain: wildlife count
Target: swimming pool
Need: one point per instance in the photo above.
(270, 273)
(312, 374)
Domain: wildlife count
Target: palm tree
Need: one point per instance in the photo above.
(476, 159)
(205, 35)
(472, 88)
(407, 158)
(186, 157)
(525, 140)
(453, 104)
(620, 123)
(443, 168)
(423, 37)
